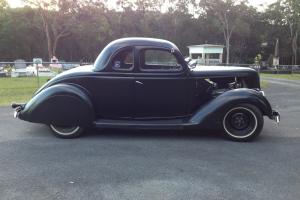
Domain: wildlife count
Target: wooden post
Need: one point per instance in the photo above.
(37, 75)
(221, 58)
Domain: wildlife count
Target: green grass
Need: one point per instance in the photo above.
(282, 76)
(18, 89)
(264, 84)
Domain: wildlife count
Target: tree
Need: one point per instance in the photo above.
(286, 13)
(291, 11)
(228, 14)
(57, 20)
(3, 7)
(180, 10)
(78, 29)
(92, 31)
(18, 39)
(3, 4)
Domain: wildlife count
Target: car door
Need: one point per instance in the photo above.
(113, 89)
(160, 85)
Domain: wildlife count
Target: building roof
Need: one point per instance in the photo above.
(206, 45)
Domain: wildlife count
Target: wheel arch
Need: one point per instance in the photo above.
(63, 104)
(211, 114)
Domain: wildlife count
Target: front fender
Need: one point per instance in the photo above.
(61, 104)
(211, 114)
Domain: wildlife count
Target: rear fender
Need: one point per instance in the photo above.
(211, 114)
(61, 104)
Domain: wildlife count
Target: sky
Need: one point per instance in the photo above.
(256, 3)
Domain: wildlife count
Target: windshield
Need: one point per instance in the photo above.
(103, 57)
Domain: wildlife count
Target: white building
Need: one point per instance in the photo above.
(206, 54)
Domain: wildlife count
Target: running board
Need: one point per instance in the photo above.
(142, 124)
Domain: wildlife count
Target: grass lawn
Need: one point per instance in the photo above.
(282, 76)
(264, 84)
(18, 89)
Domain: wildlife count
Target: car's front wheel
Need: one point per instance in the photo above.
(66, 131)
(243, 122)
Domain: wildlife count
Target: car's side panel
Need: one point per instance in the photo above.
(160, 92)
(61, 104)
(211, 114)
(160, 97)
(112, 95)
(199, 93)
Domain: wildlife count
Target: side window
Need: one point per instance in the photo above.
(159, 60)
(123, 60)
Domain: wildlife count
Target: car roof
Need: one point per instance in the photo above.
(142, 41)
(113, 46)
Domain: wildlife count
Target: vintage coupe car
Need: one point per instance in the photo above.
(144, 83)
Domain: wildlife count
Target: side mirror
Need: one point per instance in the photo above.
(187, 59)
(193, 63)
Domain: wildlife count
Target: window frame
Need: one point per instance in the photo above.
(131, 69)
(171, 51)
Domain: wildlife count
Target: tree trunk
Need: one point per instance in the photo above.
(295, 48)
(227, 31)
(49, 43)
(55, 46)
(120, 25)
(227, 50)
(175, 27)
(61, 35)
(47, 33)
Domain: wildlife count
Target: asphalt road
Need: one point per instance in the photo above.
(120, 164)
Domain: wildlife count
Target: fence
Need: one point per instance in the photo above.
(31, 69)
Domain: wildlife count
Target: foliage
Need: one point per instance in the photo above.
(7, 69)
(3, 4)
(286, 13)
(77, 30)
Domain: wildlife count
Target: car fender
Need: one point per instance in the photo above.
(211, 114)
(60, 104)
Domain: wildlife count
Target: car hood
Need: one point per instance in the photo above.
(222, 71)
(78, 71)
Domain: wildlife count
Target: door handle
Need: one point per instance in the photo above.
(139, 82)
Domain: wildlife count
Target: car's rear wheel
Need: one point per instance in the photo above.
(66, 131)
(243, 122)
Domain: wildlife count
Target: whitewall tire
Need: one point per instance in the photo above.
(66, 132)
(243, 122)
